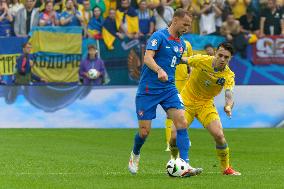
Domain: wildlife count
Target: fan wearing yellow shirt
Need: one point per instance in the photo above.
(208, 77)
(181, 76)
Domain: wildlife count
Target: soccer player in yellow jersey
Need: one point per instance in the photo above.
(181, 76)
(209, 75)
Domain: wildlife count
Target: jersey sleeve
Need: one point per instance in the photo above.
(195, 60)
(154, 42)
(188, 50)
(230, 81)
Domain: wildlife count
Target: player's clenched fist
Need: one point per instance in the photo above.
(162, 75)
(228, 111)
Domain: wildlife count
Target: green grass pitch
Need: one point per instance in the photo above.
(98, 158)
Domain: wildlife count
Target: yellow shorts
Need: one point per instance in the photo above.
(205, 113)
(180, 84)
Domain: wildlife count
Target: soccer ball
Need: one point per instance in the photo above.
(177, 168)
(93, 73)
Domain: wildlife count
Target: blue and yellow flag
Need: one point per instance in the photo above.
(109, 4)
(109, 32)
(130, 17)
(10, 49)
(95, 26)
(110, 27)
(65, 40)
(57, 52)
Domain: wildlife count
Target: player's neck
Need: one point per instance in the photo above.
(172, 32)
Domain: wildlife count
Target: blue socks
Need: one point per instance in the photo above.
(138, 143)
(222, 147)
(183, 144)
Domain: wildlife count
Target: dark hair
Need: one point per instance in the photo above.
(181, 13)
(208, 45)
(97, 7)
(92, 46)
(227, 46)
(25, 44)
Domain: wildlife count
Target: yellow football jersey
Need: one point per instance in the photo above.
(204, 83)
(182, 69)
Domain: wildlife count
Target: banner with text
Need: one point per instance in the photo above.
(269, 50)
(10, 49)
(57, 53)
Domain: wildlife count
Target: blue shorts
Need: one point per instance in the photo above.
(146, 104)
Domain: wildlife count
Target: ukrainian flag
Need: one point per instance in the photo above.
(95, 26)
(110, 4)
(110, 27)
(57, 53)
(10, 49)
(109, 32)
(57, 40)
(130, 17)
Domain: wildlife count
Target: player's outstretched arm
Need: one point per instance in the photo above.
(192, 61)
(184, 60)
(151, 63)
(229, 102)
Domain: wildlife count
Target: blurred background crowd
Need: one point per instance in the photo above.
(239, 21)
(222, 17)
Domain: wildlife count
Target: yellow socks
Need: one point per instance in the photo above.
(224, 156)
(168, 124)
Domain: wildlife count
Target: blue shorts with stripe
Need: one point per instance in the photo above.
(146, 104)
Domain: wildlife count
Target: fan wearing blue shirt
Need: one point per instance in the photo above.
(71, 17)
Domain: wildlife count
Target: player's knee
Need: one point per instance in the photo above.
(183, 123)
(220, 138)
(144, 132)
(180, 123)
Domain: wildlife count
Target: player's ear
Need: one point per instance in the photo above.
(229, 59)
(174, 20)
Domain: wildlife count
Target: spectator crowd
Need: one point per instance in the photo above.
(236, 20)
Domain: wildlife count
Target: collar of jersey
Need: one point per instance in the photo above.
(172, 37)
(216, 70)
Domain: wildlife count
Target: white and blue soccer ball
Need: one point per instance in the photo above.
(93, 73)
(177, 168)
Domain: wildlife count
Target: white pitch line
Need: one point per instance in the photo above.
(46, 174)
(109, 173)
(210, 173)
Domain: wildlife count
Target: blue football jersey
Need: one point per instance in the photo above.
(169, 51)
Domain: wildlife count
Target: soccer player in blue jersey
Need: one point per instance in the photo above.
(157, 86)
